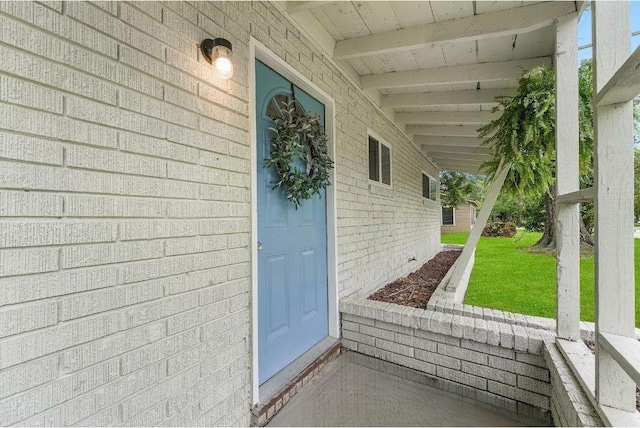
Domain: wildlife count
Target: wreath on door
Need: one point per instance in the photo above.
(299, 136)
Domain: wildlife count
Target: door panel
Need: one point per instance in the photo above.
(309, 300)
(292, 264)
(275, 286)
(274, 213)
(308, 212)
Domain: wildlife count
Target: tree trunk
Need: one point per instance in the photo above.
(520, 221)
(586, 240)
(548, 239)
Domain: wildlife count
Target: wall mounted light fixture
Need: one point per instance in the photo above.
(218, 52)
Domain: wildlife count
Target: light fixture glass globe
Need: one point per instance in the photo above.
(222, 61)
(219, 53)
(224, 67)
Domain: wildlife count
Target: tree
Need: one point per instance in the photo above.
(524, 136)
(636, 158)
(507, 208)
(526, 212)
(636, 182)
(457, 188)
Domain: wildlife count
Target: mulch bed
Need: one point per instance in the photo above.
(416, 289)
(592, 348)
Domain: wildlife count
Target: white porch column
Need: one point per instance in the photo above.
(476, 231)
(613, 204)
(567, 179)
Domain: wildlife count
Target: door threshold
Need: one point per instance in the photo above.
(277, 391)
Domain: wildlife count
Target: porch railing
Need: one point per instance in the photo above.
(609, 378)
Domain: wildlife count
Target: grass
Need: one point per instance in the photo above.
(507, 278)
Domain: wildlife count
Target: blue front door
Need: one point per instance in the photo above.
(292, 255)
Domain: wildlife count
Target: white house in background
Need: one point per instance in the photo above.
(459, 219)
(149, 273)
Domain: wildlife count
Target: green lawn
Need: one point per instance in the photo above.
(507, 278)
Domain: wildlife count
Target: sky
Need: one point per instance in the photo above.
(584, 30)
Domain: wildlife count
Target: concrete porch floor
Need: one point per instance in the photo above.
(348, 393)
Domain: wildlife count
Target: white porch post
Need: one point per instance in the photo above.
(476, 231)
(613, 205)
(567, 179)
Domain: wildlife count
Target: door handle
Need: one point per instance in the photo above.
(259, 245)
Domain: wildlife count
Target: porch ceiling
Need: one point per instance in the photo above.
(433, 66)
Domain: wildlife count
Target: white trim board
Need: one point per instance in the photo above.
(437, 198)
(258, 51)
(381, 142)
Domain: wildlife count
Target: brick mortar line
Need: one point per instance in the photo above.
(383, 313)
(123, 195)
(127, 263)
(64, 323)
(491, 367)
(79, 70)
(136, 372)
(56, 89)
(68, 41)
(120, 379)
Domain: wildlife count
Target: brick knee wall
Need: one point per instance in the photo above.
(487, 361)
(570, 406)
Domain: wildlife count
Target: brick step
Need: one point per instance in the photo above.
(264, 412)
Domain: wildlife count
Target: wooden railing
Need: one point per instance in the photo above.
(609, 378)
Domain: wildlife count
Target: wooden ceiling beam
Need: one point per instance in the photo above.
(448, 141)
(488, 71)
(443, 130)
(467, 169)
(471, 168)
(469, 163)
(454, 117)
(455, 149)
(458, 156)
(501, 23)
(474, 97)
(300, 6)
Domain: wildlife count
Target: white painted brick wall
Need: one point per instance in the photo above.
(125, 210)
(570, 405)
(501, 375)
(27, 318)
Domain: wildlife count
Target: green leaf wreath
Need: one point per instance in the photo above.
(299, 137)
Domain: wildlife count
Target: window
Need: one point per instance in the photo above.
(448, 216)
(429, 189)
(379, 162)
(432, 189)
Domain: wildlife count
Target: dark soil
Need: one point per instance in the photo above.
(592, 348)
(416, 289)
(586, 252)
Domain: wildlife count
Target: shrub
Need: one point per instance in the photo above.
(534, 214)
(499, 228)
